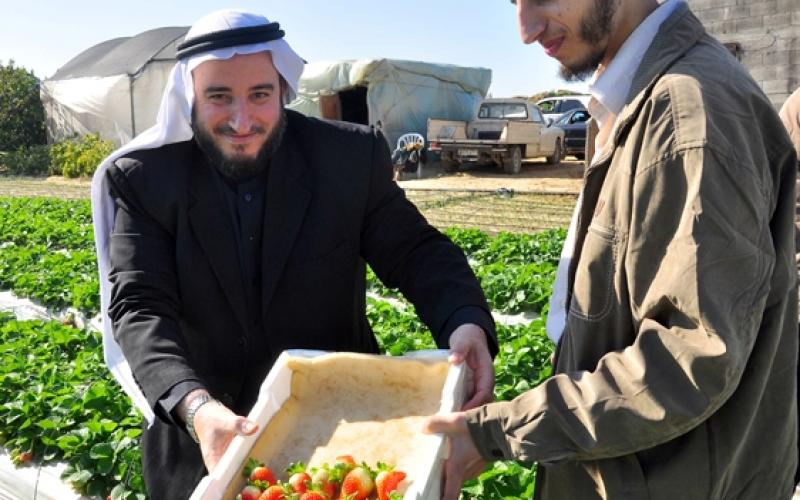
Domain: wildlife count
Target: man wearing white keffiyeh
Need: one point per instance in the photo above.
(234, 229)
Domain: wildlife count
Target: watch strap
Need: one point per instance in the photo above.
(191, 411)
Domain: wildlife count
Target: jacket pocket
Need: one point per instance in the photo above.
(593, 288)
(622, 477)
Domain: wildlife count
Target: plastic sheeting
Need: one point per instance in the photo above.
(114, 89)
(33, 482)
(104, 105)
(401, 95)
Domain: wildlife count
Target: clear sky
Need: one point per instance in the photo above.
(43, 35)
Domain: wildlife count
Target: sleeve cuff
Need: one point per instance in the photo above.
(485, 428)
(172, 397)
(476, 316)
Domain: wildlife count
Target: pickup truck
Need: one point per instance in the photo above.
(503, 133)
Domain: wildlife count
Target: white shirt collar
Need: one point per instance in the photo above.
(610, 88)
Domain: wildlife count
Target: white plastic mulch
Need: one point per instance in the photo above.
(33, 482)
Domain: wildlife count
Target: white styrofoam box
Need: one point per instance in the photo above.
(279, 440)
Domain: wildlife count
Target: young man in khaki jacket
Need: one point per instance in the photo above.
(675, 372)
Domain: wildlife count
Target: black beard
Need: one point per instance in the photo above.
(595, 30)
(233, 168)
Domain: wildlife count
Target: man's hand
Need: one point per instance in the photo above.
(464, 461)
(215, 426)
(468, 343)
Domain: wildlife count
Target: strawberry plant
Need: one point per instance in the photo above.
(69, 409)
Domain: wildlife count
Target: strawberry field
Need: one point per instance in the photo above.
(59, 404)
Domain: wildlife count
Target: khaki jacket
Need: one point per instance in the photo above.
(676, 374)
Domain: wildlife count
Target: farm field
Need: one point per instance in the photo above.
(69, 410)
(540, 197)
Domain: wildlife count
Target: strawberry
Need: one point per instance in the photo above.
(313, 495)
(328, 488)
(300, 481)
(323, 480)
(358, 484)
(387, 482)
(262, 474)
(275, 492)
(25, 457)
(249, 492)
(345, 459)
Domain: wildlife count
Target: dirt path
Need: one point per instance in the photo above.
(55, 187)
(536, 176)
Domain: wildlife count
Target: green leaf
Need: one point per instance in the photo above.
(101, 451)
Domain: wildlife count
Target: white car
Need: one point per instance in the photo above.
(554, 107)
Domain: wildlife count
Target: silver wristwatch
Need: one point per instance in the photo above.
(192, 410)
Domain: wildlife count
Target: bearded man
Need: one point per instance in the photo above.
(675, 304)
(235, 229)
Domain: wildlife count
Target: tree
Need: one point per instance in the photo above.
(21, 110)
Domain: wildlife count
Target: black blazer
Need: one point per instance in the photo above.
(178, 303)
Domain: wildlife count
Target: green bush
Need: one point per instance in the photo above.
(31, 160)
(79, 157)
(21, 110)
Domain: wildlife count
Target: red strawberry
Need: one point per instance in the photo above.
(328, 488)
(387, 482)
(313, 495)
(249, 492)
(300, 481)
(25, 457)
(358, 484)
(263, 474)
(275, 492)
(322, 480)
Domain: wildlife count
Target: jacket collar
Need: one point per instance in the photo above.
(676, 36)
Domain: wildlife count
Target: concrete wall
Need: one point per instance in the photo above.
(768, 32)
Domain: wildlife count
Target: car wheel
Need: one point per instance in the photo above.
(512, 164)
(556, 158)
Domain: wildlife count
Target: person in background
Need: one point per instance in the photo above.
(235, 229)
(790, 115)
(675, 304)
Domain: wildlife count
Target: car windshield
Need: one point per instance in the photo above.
(563, 120)
(503, 111)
